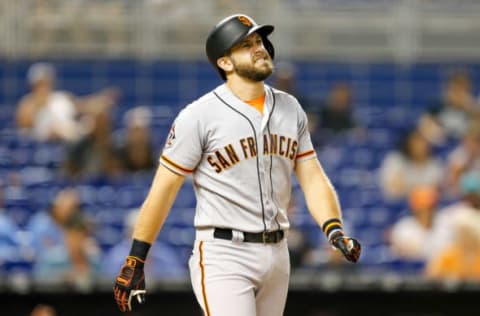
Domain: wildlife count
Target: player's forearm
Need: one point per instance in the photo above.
(157, 205)
(320, 195)
(150, 220)
(322, 200)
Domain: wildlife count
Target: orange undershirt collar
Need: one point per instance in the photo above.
(257, 103)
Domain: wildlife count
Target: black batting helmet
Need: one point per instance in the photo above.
(229, 32)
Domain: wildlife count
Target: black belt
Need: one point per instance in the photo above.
(263, 237)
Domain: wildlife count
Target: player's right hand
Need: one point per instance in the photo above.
(130, 284)
(350, 247)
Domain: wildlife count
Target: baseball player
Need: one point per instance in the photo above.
(241, 143)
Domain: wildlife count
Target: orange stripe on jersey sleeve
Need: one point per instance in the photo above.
(204, 291)
(175, 165)
(301, 155)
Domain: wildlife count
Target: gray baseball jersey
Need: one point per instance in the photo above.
(241, 160)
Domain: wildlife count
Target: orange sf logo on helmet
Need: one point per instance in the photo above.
(245, 21)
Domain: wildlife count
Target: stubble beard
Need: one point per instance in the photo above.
(250, 72)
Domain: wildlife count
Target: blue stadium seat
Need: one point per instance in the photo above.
(380, 217)
(178, 237)
(185, 198)
(49, 155)
(181, 217)
(34, 176)
(131, 196)
(16, 267)
(356, 216)
(108, 236)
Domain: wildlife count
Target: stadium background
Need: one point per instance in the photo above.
(395, 55)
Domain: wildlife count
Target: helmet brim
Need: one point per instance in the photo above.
(263, 30)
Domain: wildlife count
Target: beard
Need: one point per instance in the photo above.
(250, 72)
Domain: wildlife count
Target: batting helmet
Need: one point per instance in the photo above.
(229, 32)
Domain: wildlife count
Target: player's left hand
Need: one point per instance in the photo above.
(130, 284)
(350, 247)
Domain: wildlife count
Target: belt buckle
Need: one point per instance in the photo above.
(264, 237)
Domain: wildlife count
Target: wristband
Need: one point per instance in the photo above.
(332, 225)
(139, 249)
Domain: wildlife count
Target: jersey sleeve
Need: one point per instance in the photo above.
(183, 147)
(305, 146)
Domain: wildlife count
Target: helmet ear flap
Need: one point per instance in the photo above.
(269, 47)
(222, 73)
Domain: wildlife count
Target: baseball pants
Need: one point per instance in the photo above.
(236, 278)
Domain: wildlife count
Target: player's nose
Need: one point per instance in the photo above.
(258, 47)
(260, 51)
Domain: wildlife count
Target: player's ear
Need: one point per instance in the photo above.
(225, 63)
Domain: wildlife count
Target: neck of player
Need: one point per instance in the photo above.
(245, 89)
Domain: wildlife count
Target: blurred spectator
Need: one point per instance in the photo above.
(409, 166)
(334, 116)
(43, 310)
(461, 260)
(470, 201)
(65, 252)
(285, 79)
(136, 152)
(412, 237)
(49, 114)
(164, 262)
(8, 231)
(7, 225)
(94, 154)
(465, 157)
(450, 116)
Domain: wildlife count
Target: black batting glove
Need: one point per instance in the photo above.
(350, 247)
(130, 284)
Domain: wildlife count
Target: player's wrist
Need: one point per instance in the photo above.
(332, 228)
(139, 250)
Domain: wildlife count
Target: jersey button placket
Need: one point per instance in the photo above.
(263, 172)
(269, 205)
(270, 212)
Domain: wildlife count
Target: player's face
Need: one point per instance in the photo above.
(251, 60)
